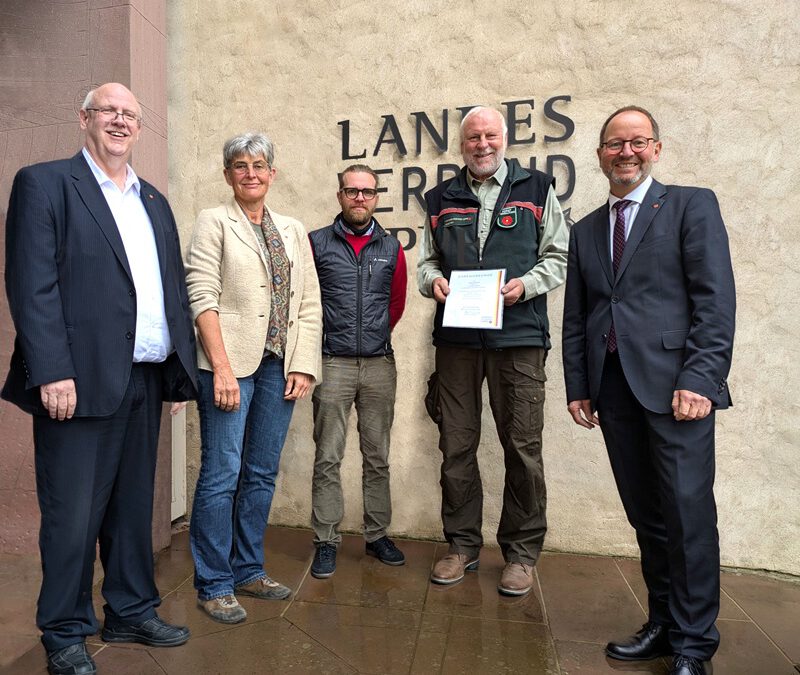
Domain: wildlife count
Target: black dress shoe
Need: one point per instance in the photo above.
(650, 642)
(72, 660)
(689, 665)
(153, 632)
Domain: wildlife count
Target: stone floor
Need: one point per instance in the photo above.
(372, 618)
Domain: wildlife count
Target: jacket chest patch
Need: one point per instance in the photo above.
(507, 218)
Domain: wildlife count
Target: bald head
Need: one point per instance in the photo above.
(109, 89)
(111, 119)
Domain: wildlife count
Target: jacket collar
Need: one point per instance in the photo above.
(92, 196)
(459, 188)
(651, 203)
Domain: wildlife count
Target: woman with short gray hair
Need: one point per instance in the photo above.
(255, 299)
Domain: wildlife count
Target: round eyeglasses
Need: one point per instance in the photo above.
(352, 193)
(638, 144)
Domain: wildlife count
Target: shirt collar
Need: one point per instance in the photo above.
(499, 176)
(363, 233)
(132, 180)
(636, 195)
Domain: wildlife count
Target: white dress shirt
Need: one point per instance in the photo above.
(631, 210)
(153, 342)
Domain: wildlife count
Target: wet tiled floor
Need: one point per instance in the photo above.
(373, 618)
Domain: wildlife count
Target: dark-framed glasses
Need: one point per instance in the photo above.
(638, 144)
(352, 193)
(111, 114)
(259, 167)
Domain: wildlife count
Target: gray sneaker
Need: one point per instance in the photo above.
(265, 589)
(225, 609)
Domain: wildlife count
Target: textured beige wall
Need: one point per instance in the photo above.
(721, 76)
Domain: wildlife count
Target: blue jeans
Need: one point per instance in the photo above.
(241, 451)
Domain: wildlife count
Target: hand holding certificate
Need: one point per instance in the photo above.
(475, 300)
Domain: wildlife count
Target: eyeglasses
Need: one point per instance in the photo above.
(259, 168)
(638, 144)
(352, 193)
(111, 114)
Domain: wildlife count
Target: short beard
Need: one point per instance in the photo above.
(499, 156)
(617, 180)
(358, 222)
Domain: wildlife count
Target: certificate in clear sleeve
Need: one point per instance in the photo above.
(475, 300)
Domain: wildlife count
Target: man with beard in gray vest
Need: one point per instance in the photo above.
(362, 276)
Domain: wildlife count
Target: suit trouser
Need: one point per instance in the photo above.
(370, 384)
(94, 479)
(515, 378)
(664, 470)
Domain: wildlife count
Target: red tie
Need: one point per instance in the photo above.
(619, 248)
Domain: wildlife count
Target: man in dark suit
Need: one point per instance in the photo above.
(647, 341)
(96, 290)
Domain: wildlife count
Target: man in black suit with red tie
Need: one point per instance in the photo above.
(648, 329)
(97, 293)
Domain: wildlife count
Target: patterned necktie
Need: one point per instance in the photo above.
(619, 249)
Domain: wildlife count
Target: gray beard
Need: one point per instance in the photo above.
(627, 181)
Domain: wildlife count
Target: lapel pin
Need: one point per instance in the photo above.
(150, 194)
(655, 206)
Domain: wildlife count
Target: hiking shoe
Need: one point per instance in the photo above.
(225, 609)
(265, 589)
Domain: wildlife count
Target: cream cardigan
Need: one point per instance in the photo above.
(226, 272)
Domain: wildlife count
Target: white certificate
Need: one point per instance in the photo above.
(475, 300)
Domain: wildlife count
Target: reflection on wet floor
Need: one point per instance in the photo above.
(374, 618)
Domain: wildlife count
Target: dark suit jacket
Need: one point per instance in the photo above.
(673, 300)
(72, 296)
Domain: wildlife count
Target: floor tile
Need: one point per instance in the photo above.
(378, 640)
(744, 650)
(173, 566)
(13, 647)
(366, 582)
(275, 646)
(587, 658)
(587, 599)
(181, 608)
(632, 571)
(476, 595)
(773, 604)
(374, 618)
(122, 660)
(486, 646)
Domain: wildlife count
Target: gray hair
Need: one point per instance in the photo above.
(475, 111)
(252, 144)
(89, 100)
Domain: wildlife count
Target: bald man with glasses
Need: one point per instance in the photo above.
(97, 293)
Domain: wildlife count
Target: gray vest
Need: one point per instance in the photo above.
(355, 291)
